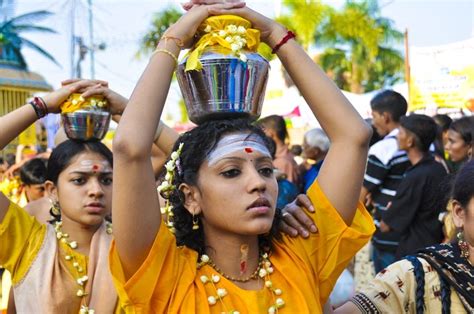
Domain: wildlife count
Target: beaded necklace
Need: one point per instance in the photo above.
(70, 257)
(264, 270)
(254, 275)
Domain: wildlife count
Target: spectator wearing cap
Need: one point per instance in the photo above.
(414, 210)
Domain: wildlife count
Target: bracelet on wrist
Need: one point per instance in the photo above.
(166, 51)
(39, 107)
(289, 35)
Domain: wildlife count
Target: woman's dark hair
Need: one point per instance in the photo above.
(62, 156)
(443, 122)
(465, 127)
(198, 143)
(463, 186)
(33, 171)
(271, 147)
(277, 124)
(296, 149)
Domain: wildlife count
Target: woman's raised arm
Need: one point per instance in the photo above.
(135, 206)
(343, 169)
(15, 122)
(342, 172)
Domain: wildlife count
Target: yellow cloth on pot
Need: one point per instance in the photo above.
(76, 102)
(223, 31)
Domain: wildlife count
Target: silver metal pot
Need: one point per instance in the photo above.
(225, 87)
(86, 125)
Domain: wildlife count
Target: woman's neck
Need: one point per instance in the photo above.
(226, 251)
(80, 233)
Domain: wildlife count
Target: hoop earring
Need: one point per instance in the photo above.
(463, 246)
(195, 223)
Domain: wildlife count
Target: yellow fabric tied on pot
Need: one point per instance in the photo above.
(228, 33)
(76, 102)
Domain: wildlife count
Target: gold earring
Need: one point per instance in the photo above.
(195, 223)
(463, 246)
(55, 210)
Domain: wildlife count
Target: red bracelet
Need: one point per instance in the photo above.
(283, 41)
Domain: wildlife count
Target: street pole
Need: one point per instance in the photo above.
(91, 40)
(73, 37)
(407, 67)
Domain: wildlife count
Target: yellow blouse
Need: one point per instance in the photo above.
(304, 269)
(21, 237)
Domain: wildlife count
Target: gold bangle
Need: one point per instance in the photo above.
(176, 40)
(169, 53)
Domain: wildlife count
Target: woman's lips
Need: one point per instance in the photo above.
(95, 207)
(260, 206)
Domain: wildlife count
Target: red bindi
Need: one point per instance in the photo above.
(95, 168)
(248, 150)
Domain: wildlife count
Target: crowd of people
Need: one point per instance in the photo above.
(249, 223)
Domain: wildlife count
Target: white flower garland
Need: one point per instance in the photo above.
(167, 186)
(235, 36)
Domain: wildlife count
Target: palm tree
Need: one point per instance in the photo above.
(360, 54)
(159, 24)
(304, 17)
(11, 42)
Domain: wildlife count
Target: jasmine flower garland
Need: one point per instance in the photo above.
(167, 186)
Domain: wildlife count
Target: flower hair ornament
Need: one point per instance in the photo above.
(167, 186)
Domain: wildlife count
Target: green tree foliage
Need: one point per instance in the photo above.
(303, 18)
(357, 41)
(11, 41)
(359, 54)
(159, 24)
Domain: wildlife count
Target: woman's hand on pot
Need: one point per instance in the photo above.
(54, 99)
(192, 3)
(295, 221)
(271, 32)
(117, 102)
(186, 27)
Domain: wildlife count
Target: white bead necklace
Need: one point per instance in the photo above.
(81, 279)
(265, 270)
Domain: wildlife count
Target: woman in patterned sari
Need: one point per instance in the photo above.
(438, 279)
